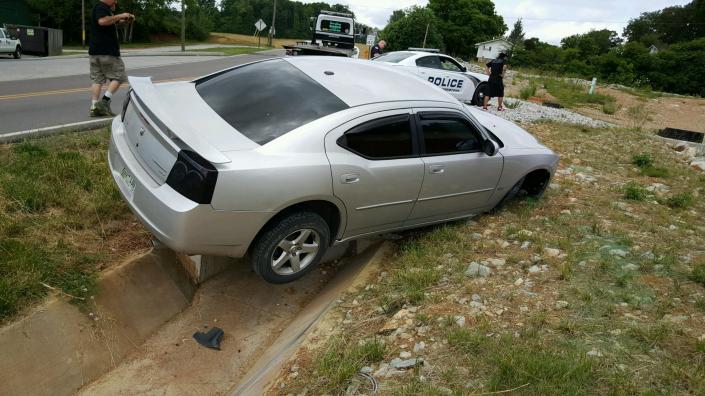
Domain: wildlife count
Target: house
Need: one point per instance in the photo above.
(653, 50)
(488, 50)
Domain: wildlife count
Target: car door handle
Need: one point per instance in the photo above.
(436, 169)
(350, 178)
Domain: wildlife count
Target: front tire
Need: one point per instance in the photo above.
(511, 194)
(18, 53)
(291, 247)
(479, 96)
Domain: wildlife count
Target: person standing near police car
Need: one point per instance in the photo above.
(495, 86)
(376, 51)
(104, 54)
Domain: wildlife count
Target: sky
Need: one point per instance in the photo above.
(549, 20)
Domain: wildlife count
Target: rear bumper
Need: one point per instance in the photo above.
(183, 225)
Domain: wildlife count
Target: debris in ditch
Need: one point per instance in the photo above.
(210, 339)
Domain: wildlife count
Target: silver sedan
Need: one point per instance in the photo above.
(280, 159)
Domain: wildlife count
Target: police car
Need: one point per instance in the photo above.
(441, 70)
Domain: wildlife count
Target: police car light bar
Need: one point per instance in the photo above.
(342, 14)
(433, 50)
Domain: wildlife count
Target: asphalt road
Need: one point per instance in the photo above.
(38, 103)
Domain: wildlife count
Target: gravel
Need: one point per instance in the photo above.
(532, 112)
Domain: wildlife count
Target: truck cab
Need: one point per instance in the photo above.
(9, 44)
(333, 35)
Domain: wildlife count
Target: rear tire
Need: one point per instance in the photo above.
(479, 96)
(18, 53)
(291, 247)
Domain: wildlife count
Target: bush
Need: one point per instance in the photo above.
(635, 192)
(609, 108)
(698, 274)
(680, 201)
(528, 92)
(643, 160)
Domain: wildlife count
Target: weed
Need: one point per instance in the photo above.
(650, 335)
(680, 201)
(700, 302)
(698, 275)
(635, 192)
(643, 160)
(512, 104)
(638, 116)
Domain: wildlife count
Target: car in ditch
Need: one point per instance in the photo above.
(441, 70)
(281, 159)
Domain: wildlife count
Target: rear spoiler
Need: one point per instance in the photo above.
(176, 124)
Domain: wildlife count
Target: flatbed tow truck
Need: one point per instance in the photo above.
(333, 35)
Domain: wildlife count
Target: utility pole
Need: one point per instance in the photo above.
(183, 26)
(426, 35)
(271, 28)
(83, 23)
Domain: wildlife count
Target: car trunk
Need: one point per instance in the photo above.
(163, 120)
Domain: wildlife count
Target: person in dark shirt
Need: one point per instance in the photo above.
(377, 49)
(104, 54)
(495, 85)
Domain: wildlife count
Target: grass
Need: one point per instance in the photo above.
(622, 271)
(570, 94)
(512, 104)
(527, 92)
(342, 359)
(233, 50)
(60, 215)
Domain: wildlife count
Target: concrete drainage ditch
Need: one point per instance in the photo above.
(137, 337)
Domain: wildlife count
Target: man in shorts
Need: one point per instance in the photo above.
(104, 52)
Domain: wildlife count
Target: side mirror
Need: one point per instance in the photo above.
(463, 69)
(490, 147)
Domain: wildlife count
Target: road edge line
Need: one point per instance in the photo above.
(52, 130)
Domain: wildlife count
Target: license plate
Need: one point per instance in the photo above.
(129, 182)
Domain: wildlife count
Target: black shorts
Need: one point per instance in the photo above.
(495, 87)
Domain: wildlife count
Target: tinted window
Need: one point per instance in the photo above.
(265, 100)
(449, 136)
(449, 64)
(380, 139)
(335, 26)
(394, 57)
(429, 61)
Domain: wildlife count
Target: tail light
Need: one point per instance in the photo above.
(193, 177)
(125, 104)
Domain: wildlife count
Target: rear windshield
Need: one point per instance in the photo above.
(265, 100)
(394, 57)
(335, 27)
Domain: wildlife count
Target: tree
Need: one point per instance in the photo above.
(595, 42)
(670, 25)
(517, 34)
(396, 15)
(466, 22)
(410, 30)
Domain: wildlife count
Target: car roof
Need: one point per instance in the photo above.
(360, 82)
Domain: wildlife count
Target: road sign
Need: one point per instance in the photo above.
(260, 25)
(371, 39)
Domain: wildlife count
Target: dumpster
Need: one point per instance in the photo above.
(37, 40)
